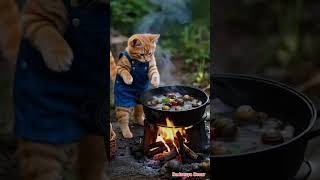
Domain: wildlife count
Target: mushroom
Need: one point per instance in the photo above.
(273, 123)
(272, 137)
(180, 101)
(195, 104)
(155, 101)
(225, 128)
(165, 108)
(178, 108)
(186, 97)
(288, 132)
(261, 117)
(245, 114)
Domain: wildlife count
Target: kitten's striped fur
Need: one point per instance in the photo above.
(142, 48)
(113, 67)
(44, 23)
(10, 31)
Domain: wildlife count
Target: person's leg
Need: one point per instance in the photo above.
(92, 159)
(40, 161)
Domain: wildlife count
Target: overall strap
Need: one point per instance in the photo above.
(132, 60)
(125, 53)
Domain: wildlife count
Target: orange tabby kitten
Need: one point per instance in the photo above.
(113, 67)
(10, 31)
(135, 70)
(44, 24)
(46, 21)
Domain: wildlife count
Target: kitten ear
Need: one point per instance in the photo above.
(135, 42)
(154, 38)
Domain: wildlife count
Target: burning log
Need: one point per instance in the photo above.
(156, 150)
(156, 144)
(185, 151)
(191, 153)
(169, 156)
(158, 147)
(181, 147)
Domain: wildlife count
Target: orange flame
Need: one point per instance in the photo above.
(168, 134)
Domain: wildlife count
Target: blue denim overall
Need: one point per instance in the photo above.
(50, 107)
(127, 95)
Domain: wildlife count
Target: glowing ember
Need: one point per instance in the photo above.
(168, 134)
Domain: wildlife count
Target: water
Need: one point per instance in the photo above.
(249, 135)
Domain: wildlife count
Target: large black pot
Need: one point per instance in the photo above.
(278, 162)
(179, 118)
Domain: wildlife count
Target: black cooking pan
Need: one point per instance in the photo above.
(179, 118)
(277, 162)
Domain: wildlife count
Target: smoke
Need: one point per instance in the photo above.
(166, 67)
(166, 14)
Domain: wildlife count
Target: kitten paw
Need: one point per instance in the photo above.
(59, 58)
(127, 134)
(128, 80)
(140, 120)
(125, 131)
(155, 81)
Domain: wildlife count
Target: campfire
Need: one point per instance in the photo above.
(171, 142)
(167, 148)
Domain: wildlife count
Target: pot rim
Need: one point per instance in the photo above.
(305, 99)
(183, 86)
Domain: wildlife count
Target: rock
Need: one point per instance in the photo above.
(138, 155)
(195, 167)
(205, 166)
(174, 165)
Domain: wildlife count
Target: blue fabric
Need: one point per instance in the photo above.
(127, 95)
(52, 107)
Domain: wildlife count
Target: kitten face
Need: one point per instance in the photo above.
(142, 46)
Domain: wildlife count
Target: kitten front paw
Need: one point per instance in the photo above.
(128, 79)
(126, 133)
(58, 58)
(155, 81)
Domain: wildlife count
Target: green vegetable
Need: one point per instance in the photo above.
(166, 100)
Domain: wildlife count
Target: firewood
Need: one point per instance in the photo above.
(155, 151)
(181, 147)
(190, 153)
(171, 155)
(156, 144)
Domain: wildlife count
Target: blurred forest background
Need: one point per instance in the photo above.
(277, 39)
(270, 38)
(183, 55)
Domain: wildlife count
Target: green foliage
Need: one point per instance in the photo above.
(194, 48)
(286, 49)
(183, 36)
(288, 46)
(192, 45)
(125, 14)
